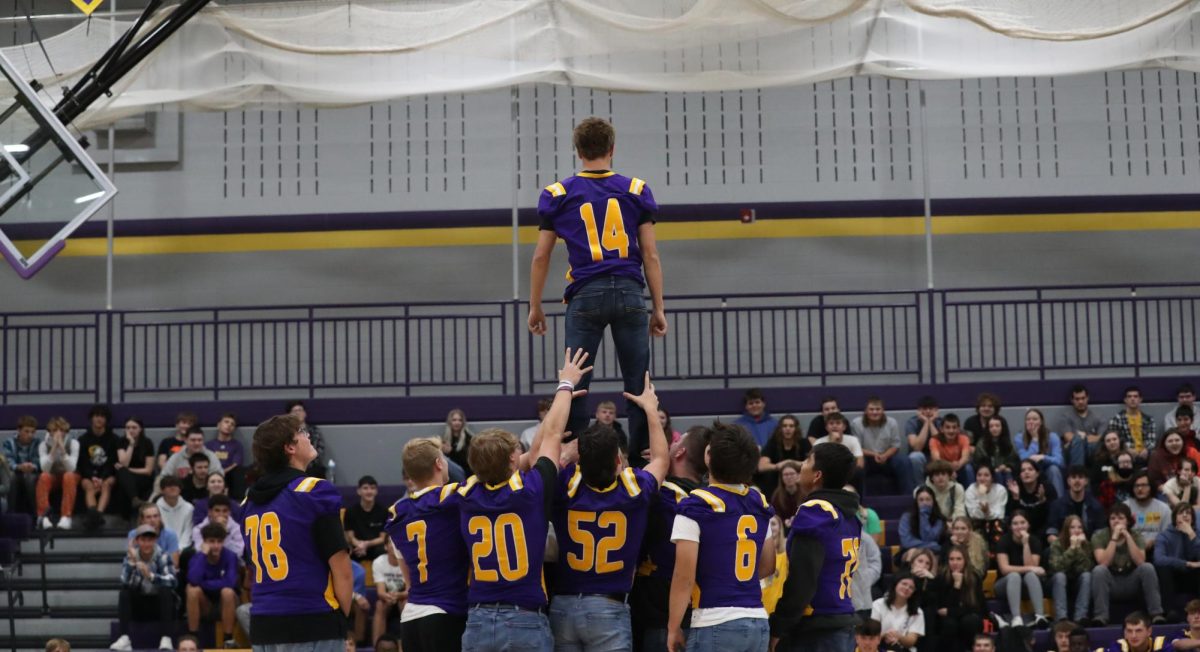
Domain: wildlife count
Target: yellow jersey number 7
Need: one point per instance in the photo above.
(265, 539)
(612, 237)
(850, 553)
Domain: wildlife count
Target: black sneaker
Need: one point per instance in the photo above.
(1158, 620)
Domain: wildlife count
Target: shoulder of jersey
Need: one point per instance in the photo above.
(559, 188)
(628, 479)
(441, 495)
(709, 499)
(318, 490)
(817, 509)
(762, 500)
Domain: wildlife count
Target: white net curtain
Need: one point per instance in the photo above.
(335, 52)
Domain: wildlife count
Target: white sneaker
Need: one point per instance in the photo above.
(122, 643)
(64, 523)
(46, 524)
(1016, 622)
(165, 643)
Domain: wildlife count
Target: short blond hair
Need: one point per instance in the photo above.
(490, 454)
(419, 457)
(57, 423)
(58, 645)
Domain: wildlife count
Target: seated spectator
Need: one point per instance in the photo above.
(899, 615)
(184, 422)
(6, 482)
(527, 435)
(1070, 564)
(922, 527)
(879, 435)
(176, 513)
(1137, 636)
(58, 645)
(1030, 493)
(135, 464)
(216, 485)
(953, 446)
(1177, 559)
(58, 457)
(1185, 487)
(219, 513)
(996, 450)
(1184, 419)
(867, 516)
(978, 551)
(1019, 560)
(189, 643)
(1103, 464)
(1062, 636)
(816, 427)
(319, 467)
(391, 585)
(360, 608)
(1121, 570)
(1189, 639)
(924, 570)
(786, 443)
(786, 498)
(867, 635)
(951, 497)
(664, 418)
(959, 601)
(230, 453)
(97, 465)
(456, 439)
(1167, 456)
(919, 429)
(180, 463)
(1185, 397)
(195, 483)
(147, 588)
(1078, 502)
(21, 452)
(1139, 432)
(1043, 447)
(1119, 485)
(835, 425)
(868, 572)
(166, 538)
(364, 522)
(986, 502)
(1080, 428)
(212, 581)
(755, 418)
(1150, 515)
(987, 407)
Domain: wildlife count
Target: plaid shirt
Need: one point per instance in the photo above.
(18, 454)
(1120, 423)
(162, 573)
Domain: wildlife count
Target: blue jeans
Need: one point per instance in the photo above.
(918, 460)
(1053, 475)
(332, 645)
(506, 629)
(618, 304)
(833, 640)
(590, 623)
(1078, 451)
(741, 635)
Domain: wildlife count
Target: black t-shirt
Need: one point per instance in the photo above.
(191, 492)
(1016, 551)
(170, 446)
(97, 455)
(775, 451)
(365, 524)
(142, 450)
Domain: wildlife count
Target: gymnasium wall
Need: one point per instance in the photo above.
(1086, 179)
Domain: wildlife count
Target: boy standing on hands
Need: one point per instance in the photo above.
(607, 221)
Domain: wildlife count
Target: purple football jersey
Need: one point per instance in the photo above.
(733, 525)
(424, 528)
(659, 560)
(598, 214)
(505, 527)
(290, 576)
(839, 535)
(600, 531)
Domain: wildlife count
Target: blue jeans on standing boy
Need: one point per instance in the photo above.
(498, 628)
(617, 303)
(590, 622)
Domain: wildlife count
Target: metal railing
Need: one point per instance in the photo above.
(413, 349)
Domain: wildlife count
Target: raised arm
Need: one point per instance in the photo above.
(548, 440)
(660, 456)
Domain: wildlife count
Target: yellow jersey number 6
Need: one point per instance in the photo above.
(266, 547)
(850, 553)
(747, 550)
(613, 237)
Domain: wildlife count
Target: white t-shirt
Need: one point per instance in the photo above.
(528, 434)
(849, 441)
(387, 576)
(899, 620)
(686, 529)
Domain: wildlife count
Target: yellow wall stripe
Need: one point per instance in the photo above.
(834, 227)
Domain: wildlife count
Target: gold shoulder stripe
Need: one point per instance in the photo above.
(466, 488)
(717, 504)
(306, 485)
(630, 481)
(515, 482)
(446, 491)
(761, 496)
(574, 482)
(636, 185)
(825, 506)
(556, 189)
(680, 494)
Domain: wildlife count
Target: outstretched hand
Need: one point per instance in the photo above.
(647, 400)
(573, 370)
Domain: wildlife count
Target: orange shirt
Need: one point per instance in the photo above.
(950, 451)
